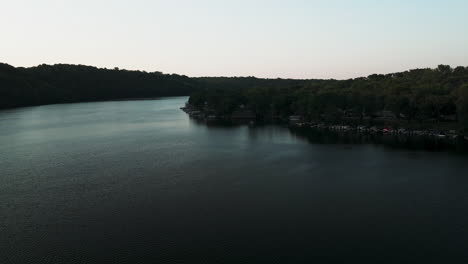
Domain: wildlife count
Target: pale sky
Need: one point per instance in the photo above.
(287, 39)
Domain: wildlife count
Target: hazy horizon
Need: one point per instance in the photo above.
(266, 39)
(226, 76)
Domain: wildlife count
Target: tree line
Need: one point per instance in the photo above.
(419, 95)
(62, 83)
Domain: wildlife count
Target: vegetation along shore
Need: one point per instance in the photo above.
(421, 102)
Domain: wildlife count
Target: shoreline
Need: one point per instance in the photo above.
(96, 101)
(296, 121)
(428, 139)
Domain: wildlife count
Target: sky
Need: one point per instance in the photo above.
(272, 39)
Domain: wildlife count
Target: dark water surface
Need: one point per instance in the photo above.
(138, 182)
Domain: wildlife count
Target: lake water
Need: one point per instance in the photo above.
(139, 182)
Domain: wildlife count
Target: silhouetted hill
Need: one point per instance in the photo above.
(62, 83)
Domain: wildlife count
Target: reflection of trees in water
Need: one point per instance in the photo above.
(316, 136)
(217, 124)
(213, 124)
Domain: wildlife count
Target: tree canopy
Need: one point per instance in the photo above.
(414, 95)
(61, 83)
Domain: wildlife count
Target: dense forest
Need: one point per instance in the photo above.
(434, 95)
(48, 84)
(420, 95)
(63, 83)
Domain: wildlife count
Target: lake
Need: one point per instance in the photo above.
(139, 182)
